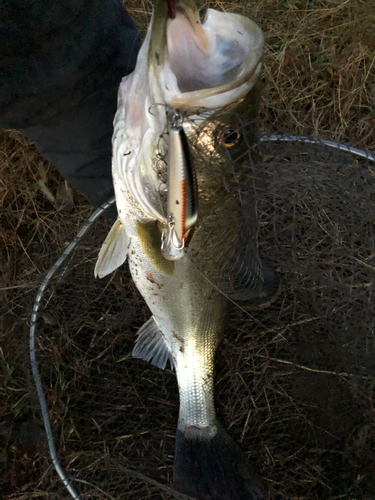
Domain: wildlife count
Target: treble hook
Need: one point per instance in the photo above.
(172, 248)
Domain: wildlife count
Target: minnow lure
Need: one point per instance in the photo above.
(182, 193)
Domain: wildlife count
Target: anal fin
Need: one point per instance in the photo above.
(113, 252)
(152, 346)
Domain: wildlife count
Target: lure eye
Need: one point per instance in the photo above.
(229, 138)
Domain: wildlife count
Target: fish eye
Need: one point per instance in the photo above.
(229, 137)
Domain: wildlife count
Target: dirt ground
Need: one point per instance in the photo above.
(295, 386)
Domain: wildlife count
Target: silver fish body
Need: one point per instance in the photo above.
(188, 317)
(189, 296)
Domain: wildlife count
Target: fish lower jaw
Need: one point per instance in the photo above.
(197, 431)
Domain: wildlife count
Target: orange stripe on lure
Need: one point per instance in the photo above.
(182, 197)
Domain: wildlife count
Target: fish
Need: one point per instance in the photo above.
(184, 122)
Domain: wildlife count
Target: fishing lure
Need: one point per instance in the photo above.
(182, 193)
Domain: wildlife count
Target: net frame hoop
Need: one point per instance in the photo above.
(67, 481)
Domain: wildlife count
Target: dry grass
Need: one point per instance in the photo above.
(309, 431)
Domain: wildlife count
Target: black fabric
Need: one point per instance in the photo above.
(61, 63)
(78, 144)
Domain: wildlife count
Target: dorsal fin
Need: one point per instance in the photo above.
(152, 346)
(113, 252)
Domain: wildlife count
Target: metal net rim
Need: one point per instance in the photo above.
(66, 480)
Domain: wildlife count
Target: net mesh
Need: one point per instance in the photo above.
(295, 377)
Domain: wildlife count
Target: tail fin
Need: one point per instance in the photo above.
(214, 469)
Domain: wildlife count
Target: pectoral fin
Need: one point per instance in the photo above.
(152, 346)
(113, 252)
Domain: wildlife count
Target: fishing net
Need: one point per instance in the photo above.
(295, 375)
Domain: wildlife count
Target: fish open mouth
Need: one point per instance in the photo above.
(197, 60)
(189, 65)
(200, 56)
